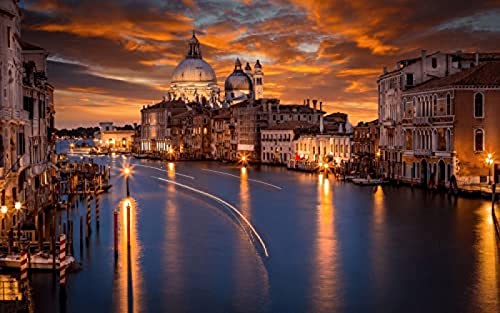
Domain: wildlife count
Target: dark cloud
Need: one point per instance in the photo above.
(330, 49)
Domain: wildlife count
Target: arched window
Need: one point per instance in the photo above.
(478, 140)
(478, 105)
(434, 105)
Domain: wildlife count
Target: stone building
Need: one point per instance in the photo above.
(222, 130)
(450, 125)
(156, 125)
(330, 146)
(115, 140)
(27, 173)
(251, 117)
(278, 141)
(365, 147)
(409, 73)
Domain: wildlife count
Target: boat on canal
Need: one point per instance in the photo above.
(41, 261)
(368, 181)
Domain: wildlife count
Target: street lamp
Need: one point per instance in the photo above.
(244, 160)
(127, 172)
(489, 163)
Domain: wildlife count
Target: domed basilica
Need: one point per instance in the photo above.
(194, 80)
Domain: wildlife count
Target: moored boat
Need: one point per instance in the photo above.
(39, 261)
(368, 181)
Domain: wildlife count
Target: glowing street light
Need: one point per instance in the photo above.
(127, 172)
(3, 209)
(17, 205)
(489, 163)
(244, 160)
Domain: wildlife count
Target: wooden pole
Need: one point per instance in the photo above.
(62, 259)
(81, 232)
(53, 233)
(128, 226)
(115, 227)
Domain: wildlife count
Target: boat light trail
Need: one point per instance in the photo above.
(234, 209)
(249, 179)
(161, 169)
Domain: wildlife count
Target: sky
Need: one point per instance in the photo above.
(108, 58)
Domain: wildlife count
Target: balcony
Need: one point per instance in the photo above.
(389, 123)
(445, 119)
(421, 120)
(422, 152)
(7, 113)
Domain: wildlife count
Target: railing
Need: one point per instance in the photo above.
(443, 119)
(421, 120)
(13, 114)
(422, 152)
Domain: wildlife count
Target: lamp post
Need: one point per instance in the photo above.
(489, 163)
(126, 172)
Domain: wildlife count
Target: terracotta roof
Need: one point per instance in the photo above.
(174, 104)
(29, 46)
(485, 74)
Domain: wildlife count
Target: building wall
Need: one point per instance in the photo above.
(277, 146)
(472, 163)
(117, 140)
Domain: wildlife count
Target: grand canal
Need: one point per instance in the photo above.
(332, 246)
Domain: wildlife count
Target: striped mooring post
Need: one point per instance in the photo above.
(62, 258)
(97, 209)
(24, 269)
(89, 215)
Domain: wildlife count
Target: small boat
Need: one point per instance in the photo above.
(40, 261)
(368, 181)
(139, 155)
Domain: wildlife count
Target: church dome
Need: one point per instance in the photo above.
(193, 68)
(238, 80)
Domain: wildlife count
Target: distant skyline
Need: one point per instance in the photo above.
(108, 58)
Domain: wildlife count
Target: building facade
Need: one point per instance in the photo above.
(450, 127)
(27, 156)
(409, 73)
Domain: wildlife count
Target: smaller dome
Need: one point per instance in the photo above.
(257, 64)
(238, 80)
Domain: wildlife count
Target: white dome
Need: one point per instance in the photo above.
(193, 70)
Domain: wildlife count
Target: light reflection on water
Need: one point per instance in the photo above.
(325, 280)
(487, 283)
(345, 248)
(128, 286)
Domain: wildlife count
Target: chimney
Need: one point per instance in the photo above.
(315, 101)
(308, 103)
(385, 69)
(321, 126)
(477, 58)
(422, 65)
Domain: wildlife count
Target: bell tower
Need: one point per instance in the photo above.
(258, 78)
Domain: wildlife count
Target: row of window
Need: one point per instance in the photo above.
(276, 137)
(422, 106)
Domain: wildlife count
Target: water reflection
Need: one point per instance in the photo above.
(128, 276)
(325, 278)
(173, 270)
(379, 229)
(487, 289)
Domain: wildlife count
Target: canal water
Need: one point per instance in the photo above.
(332, 246)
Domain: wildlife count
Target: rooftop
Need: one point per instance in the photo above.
(485, 74)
